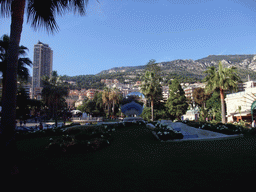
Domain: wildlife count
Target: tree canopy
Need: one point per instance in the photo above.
(221, 79)
(176, 103)
(151, 88)
(53, 93)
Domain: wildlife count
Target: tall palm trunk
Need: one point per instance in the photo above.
(152, 109)
(223, 111)
(109, 109)
(10, 91)
(113, 108)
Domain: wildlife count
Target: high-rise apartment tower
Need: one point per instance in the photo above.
(42, 66)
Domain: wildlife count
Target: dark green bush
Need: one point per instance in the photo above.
(54, 148)
(179, 136)
(83, 136)
(170, 136)
(73, 123)
(74, 130)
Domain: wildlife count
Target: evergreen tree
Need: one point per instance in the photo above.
(177, 103)
(83, 106)
(213, 105)
(200, 98)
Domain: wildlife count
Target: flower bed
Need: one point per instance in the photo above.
(86, 138)
(166, 132)
(69, 144)
(81, 139)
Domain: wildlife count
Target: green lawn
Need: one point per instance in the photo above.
(136, 161)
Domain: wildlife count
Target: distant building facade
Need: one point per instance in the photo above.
(109, 81)
(90, 93)
(42, 66)
(165, 92)
(189, 89)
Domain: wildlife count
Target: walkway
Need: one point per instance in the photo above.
(191, 133)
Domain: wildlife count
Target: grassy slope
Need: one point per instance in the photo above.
(135, 161)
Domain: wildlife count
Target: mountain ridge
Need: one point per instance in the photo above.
(243, 63)
(185, 70)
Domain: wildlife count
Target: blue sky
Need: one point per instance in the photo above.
(116, 33)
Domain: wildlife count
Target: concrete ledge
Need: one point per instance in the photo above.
(150, 126)
(199, 138)
(206, 138)
(107, 123)
(85, 121)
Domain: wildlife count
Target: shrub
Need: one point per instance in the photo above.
(54, 148)
(179, 136)
(165, 133)
(73, 130)
(168, 135)
(84, 136)
(68, 144)
(120, 125)
(73, 123)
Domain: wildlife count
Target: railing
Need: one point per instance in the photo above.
(87, 118)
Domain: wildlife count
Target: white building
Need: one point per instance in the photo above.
(79, 101)
(238, 105)
(191, 114)
(42, 66)
(165, 92)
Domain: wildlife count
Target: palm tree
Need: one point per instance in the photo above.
(151, 88)
(106, 98)
(22, 72)
(54, 90)
(39, 13)
(221, 79)
(114, 97)
(99, 106)
(213, 112)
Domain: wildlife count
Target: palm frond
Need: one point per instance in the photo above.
(23, 73)
(23, 50)
(43, 13)
(42, 17)
(224, 78)
(5, 7)
(4, 44)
